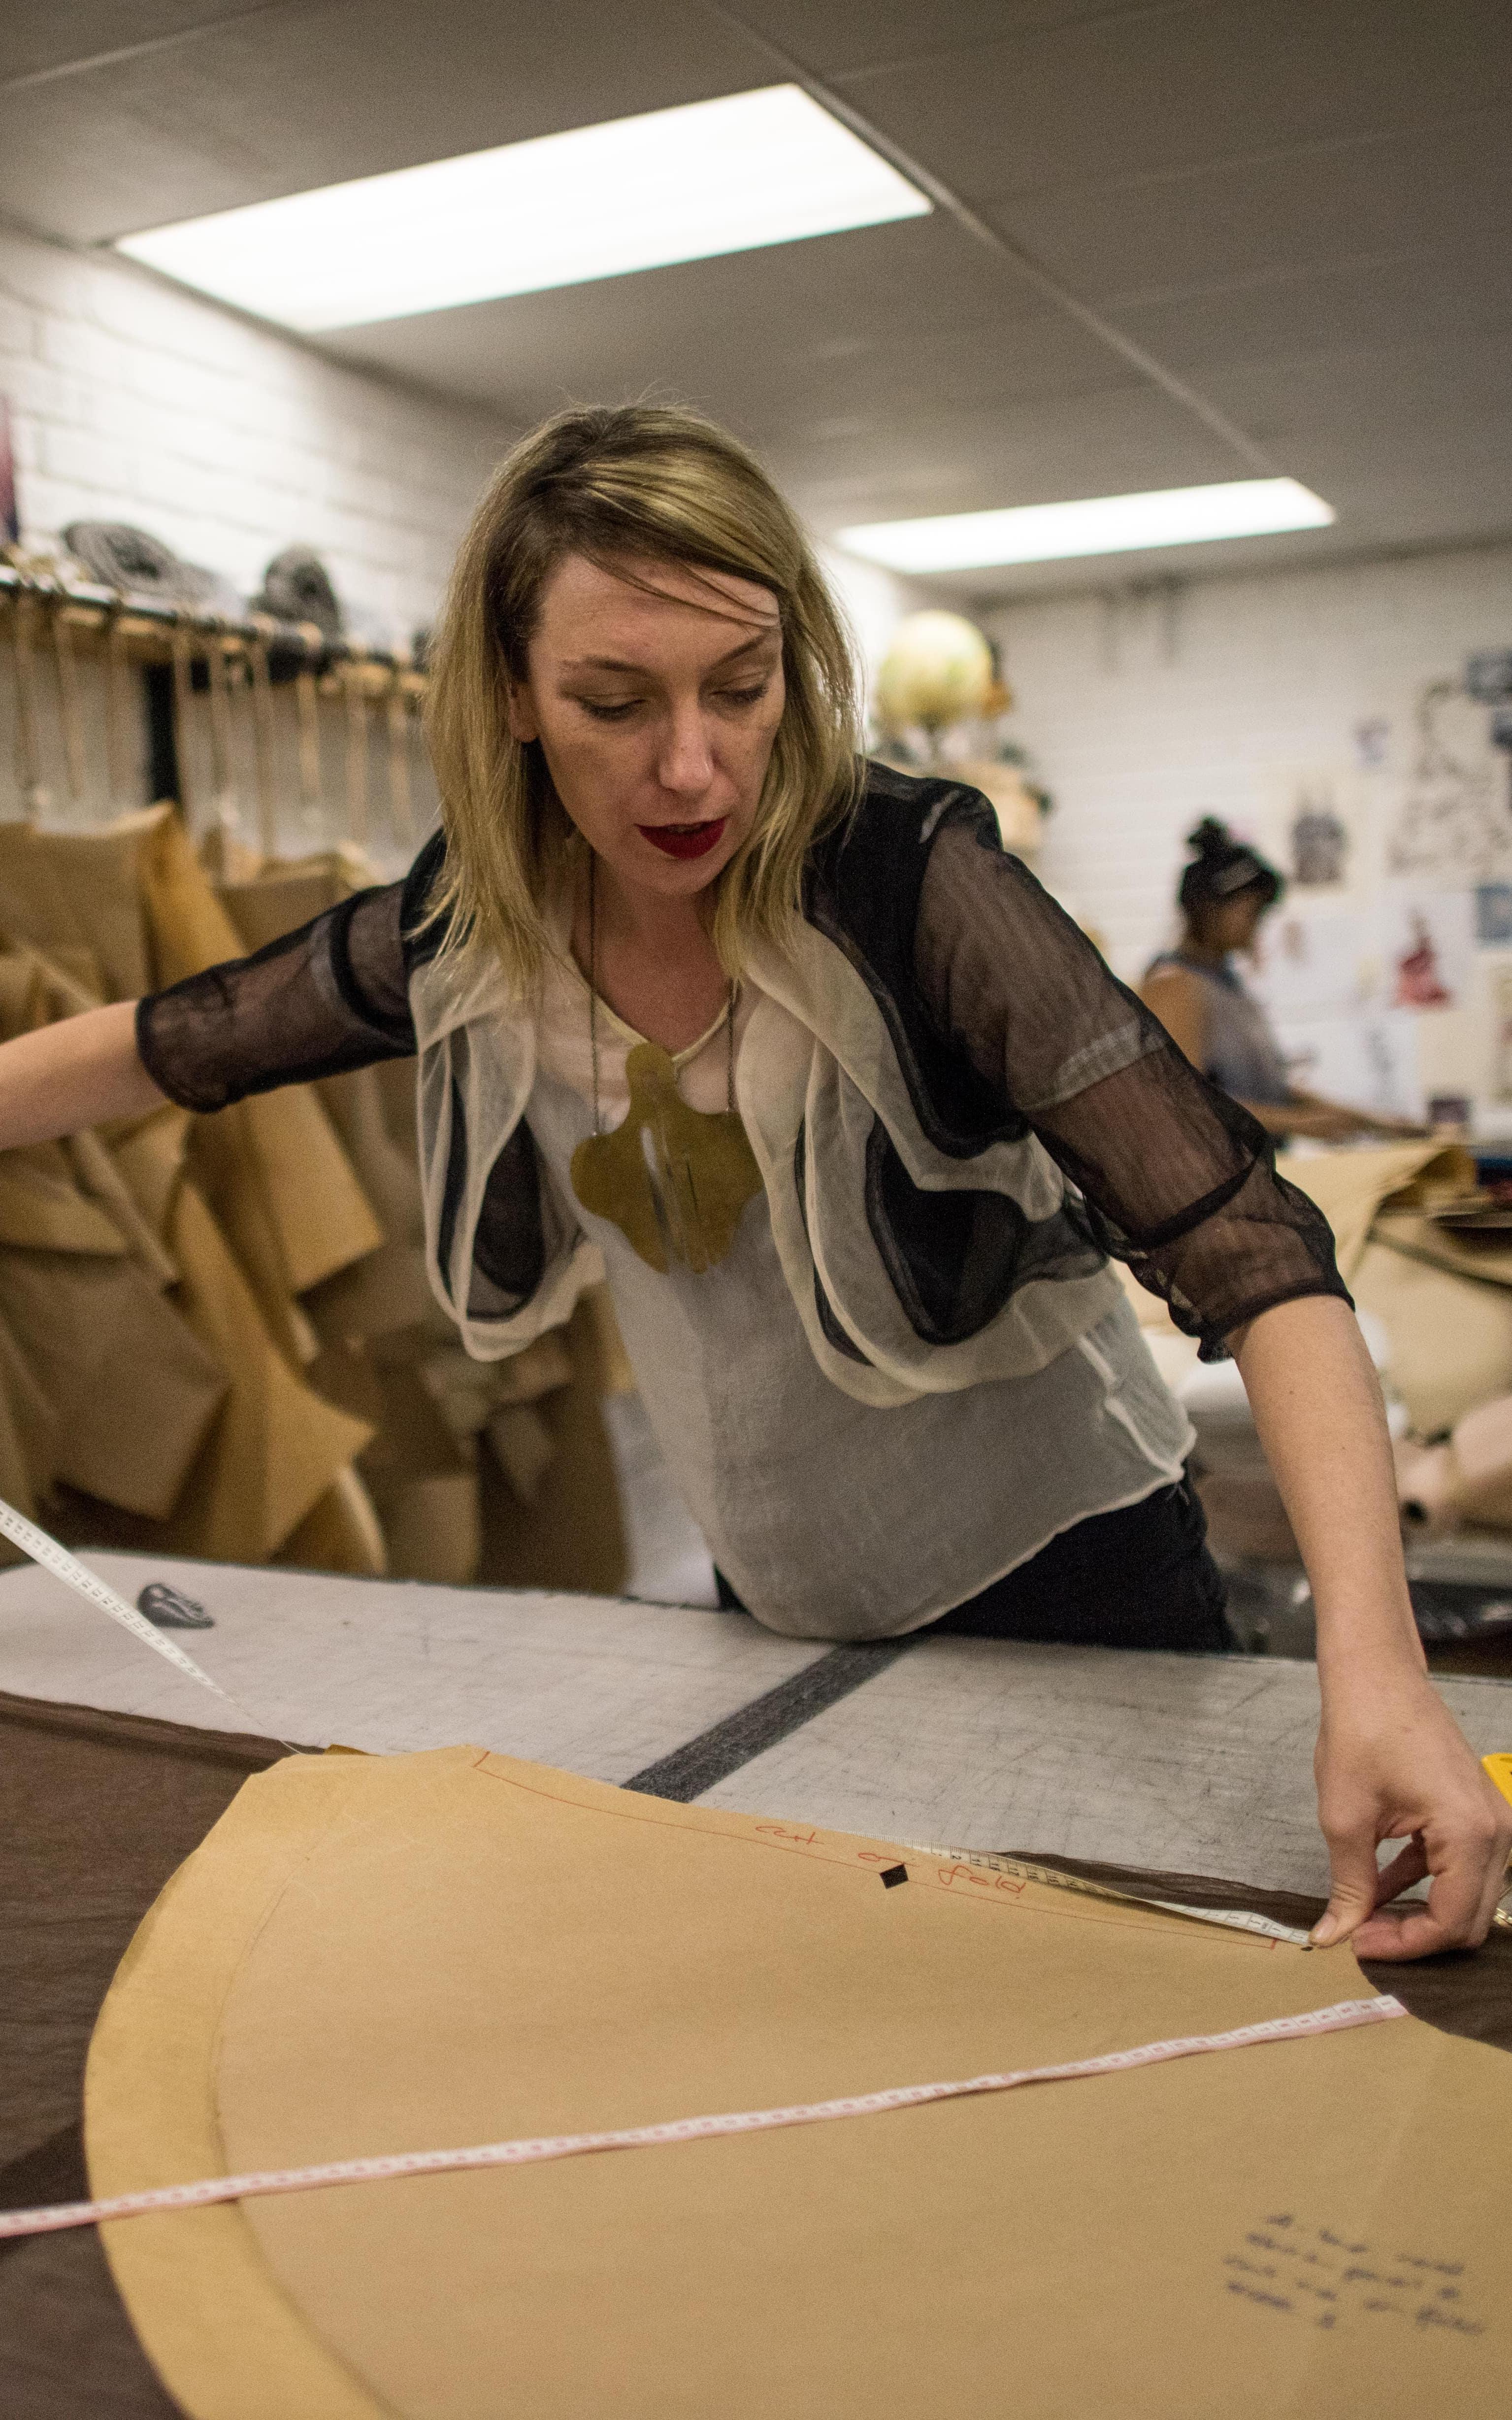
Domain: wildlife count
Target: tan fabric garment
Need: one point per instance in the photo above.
(1450, 1338)
(1350, 1187)
(277, 1448)
(131, 1391)
(81, 894)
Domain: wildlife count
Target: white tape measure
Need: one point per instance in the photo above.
(86, 1583)
(528, 2152)
(76, 1575)
(1237, 1919)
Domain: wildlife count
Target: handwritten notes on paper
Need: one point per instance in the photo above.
(1330, 2279)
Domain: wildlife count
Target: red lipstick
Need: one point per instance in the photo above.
(685, 840)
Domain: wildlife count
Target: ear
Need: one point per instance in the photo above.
(521, 712)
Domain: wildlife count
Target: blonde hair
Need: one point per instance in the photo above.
(643, 484)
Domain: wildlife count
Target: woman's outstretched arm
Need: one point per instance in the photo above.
(77, 1073)
(1391, 1762)
(1177, 1179)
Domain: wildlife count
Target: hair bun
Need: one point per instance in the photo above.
(1211, 838)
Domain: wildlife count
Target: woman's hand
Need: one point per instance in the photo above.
(1391, 1762)
(1392, 1765)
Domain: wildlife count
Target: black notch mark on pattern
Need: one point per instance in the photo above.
(892, 1875)
(700, 1762)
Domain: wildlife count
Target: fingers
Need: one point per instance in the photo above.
(1408, 1866)
(1396, 1933)
(1354, 1887)
(1461, 1898)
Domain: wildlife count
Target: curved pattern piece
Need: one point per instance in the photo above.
(381, 1955)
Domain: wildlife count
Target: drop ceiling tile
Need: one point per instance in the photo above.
(1142, 237)
(831, 325)
(1431, 297)
(1427, 399)
(836, 37)
(38, 35)
(1183, 84)
(314, 96)
(944, 460)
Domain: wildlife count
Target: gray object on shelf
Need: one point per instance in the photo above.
(297, 587)
(136, 564)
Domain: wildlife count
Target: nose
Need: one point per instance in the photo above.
(687, 760)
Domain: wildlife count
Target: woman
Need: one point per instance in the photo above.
(852, 1112)
(1199, 996)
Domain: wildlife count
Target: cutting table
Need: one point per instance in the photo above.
(113, 1767)
(1198, 1763)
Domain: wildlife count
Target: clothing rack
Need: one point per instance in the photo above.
(198, 667)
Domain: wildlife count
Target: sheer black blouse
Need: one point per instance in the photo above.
(1007, 1020)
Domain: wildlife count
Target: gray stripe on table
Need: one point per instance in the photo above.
(714, 1754)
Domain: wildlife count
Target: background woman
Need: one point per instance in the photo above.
(1200, 997)
(853, 1116)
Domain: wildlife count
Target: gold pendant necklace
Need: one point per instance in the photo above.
(673, 1179)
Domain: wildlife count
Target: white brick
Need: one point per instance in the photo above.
(86, 461)
(17, 327)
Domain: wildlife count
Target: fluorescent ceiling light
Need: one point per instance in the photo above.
(1090, 525)
(640, 192)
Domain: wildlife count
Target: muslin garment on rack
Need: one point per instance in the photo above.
(166, 1342)
(78, 897)
(217, 1332)
(129, 1392)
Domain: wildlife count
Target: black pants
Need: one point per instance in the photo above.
(1138, 1578)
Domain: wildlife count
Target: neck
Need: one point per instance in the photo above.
(1206, 954)
(648, 920)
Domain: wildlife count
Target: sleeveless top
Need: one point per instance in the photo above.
(1240, 1049)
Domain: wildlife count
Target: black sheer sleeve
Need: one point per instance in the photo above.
(1177, 1180)
(330, 997)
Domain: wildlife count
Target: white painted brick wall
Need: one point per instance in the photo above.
(1144, 713)
(134, 402)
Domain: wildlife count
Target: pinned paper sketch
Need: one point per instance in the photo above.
(1419, 981)
(1430, 944)
(1309, 964)
(1368, 1060)
(1494, 914)
(1453, 824)
(1318, 821)
(1319, 846)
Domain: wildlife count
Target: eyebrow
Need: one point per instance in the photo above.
(614, 664)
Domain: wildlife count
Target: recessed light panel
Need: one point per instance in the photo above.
(1089, 525)
(640, 192)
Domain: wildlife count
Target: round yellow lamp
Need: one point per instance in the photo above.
(938, 670)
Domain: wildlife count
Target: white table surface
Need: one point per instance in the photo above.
(1199, 1764)
(1195, 1762)
(590, 1684)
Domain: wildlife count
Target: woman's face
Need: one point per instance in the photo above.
(655, 713)
(1231, 924)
